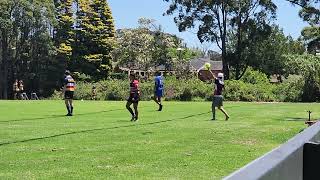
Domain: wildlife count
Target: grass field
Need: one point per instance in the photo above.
(38, 142)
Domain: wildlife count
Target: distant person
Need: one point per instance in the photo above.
(15, 89)
(158, 90)
(21, 91)
(134, 97)
(218, 98)
(68, 90)
(94, 93)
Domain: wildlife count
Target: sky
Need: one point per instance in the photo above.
(127, 12)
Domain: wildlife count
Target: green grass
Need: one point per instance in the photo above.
(99, 142)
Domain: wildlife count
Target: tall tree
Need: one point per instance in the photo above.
(96, 34)
(64, 34)
(310, 13)
(265, 50)
(214, 19)
(26, 47)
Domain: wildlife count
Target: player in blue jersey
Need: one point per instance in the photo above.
(158, 90)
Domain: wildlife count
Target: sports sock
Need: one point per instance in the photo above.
(213, 109)
(131, 111)
(68, 109)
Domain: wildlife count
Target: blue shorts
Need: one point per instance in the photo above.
(159, 93)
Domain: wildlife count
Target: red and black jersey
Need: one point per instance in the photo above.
(134, 87)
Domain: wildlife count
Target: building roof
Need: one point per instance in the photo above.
(198, 63)
(195, 65)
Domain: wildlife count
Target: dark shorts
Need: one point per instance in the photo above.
(217, 101)
(68, 95)
(133, 99)
(158, 93)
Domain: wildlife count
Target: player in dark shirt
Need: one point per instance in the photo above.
(134, 97)
(218, 97)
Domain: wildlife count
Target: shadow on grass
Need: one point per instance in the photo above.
(99, 129)
(294, 119)
(58, 116)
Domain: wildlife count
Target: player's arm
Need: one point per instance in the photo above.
(155, 85)
(63, 90)
(214, 77)
(64, 87)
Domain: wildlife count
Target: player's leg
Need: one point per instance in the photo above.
(129, 109)
(160, 103)
(158, 95)
(213, 110)
(224, 112)
(155, 98)
(71, 106)
(135, 106)
(66, 101)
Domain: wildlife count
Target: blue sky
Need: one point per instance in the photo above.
(127, 12)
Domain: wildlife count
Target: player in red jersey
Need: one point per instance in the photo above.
(134, 97)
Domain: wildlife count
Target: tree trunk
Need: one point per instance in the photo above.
(223, 45)
(224, 61)
(5, 60)
(239, 48)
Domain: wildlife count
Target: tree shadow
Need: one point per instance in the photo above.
(99, 129)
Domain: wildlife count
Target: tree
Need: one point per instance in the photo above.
(96, 36)
(264, 50)
(310, 13)
(148, 46)
(64, 34)
(135, 48)
(26, 47)
(311, 35)
(41, 38)
(309, 67)
(214, 19)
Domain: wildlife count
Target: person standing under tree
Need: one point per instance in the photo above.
(15, 89)
(94, 93)
(21, 89)
(217, 97)
(68, 90)
(134, 97)
(158, 90)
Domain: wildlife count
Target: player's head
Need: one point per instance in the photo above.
(132, 77)
(67, 73)
(158, 73)
(220, 75)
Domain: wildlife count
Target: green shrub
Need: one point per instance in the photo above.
(122, 76)
(256, 88)
(82, 77)
(254, 77)
(291, 89)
